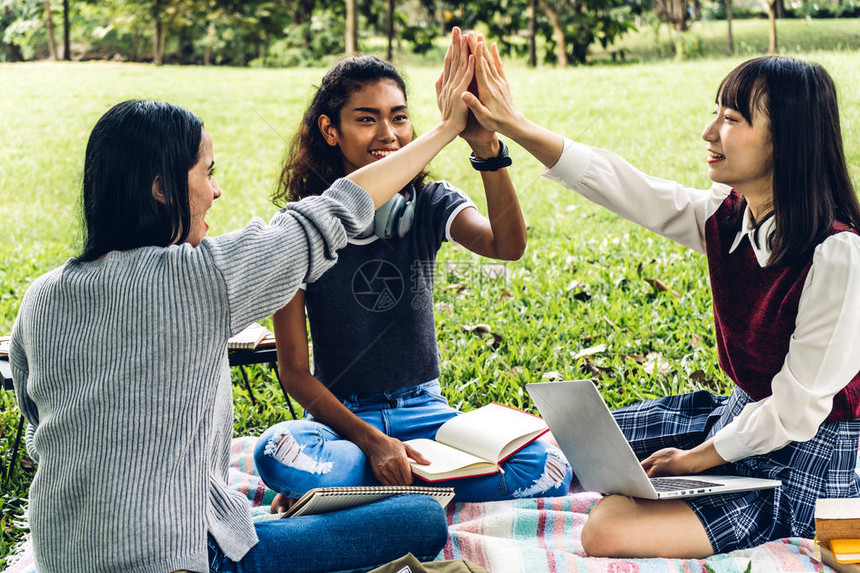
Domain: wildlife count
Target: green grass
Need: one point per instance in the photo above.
(582, 283)
(708, 38)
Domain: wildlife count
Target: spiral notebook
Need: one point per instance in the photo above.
(325, 499)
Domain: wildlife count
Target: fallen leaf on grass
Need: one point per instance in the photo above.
(694, 341)
(589, 351)
(699, 377)
(660, 286)
(596, 371)
(579, 292)
(553, 376)
(483, 330)
(655, 364)
(610, 323)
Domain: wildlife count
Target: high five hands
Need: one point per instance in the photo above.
(488, 95)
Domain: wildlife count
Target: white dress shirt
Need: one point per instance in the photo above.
(824, 350)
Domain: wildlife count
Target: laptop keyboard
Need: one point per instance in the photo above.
(675, 484)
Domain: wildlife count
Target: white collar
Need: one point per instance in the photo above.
(762, 250)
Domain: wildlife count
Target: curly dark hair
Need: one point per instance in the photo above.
(311, 164)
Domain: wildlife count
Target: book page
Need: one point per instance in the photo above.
(837, 508)
(442, 458)
(491, 432)
(249, 337)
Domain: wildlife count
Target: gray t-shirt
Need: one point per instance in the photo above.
(371, 315)
(120, 367)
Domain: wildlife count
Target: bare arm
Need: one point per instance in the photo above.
(383, 178)
(388, 456)
(501, 235)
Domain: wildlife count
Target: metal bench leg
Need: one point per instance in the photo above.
(274, 365)
(248, 385)
(15, 448)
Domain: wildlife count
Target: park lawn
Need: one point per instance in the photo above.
(707, 38)
(584, 301)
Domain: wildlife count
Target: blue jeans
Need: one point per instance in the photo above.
(357, 539)
(296, 456)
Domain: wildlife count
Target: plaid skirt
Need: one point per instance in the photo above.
(822, 467)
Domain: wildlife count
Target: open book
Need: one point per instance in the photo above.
(475, 443)
(249, 338)
(326, 499)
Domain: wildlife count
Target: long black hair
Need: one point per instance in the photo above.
(138, 147)
(811, 185)
(311, 164)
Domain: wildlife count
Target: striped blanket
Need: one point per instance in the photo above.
(531, 536)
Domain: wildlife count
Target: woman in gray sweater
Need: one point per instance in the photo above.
(120, 364)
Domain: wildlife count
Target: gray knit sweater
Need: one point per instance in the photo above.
(120, 367)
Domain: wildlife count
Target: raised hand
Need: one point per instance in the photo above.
(457, 73)
(476, 135)
(494, 109)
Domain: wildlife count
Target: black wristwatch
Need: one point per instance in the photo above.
(500, 161)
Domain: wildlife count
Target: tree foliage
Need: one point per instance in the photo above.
(568, 27)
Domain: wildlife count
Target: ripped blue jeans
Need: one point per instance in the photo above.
(296, 456)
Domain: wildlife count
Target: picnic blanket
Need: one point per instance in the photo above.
(529, 535)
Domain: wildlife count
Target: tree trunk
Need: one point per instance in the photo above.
(771, 47)
(730, 46)
(67, 45)
(780, 9)
(210, 39)
(680, 48)
(162, 45)
(157, 43)
(389, 52)
(557, 33)
(697, 9)
(49, 25)
(532, 34)
(351, 28)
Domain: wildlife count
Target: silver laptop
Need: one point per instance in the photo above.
(601, 457)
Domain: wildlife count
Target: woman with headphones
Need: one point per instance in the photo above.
(375, 378)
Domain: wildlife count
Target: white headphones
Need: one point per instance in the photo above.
(395, 217)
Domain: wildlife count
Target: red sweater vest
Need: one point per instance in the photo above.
(755, 311)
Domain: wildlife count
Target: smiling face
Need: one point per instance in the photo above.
(373, 123)
(740, 153)
(202, 190)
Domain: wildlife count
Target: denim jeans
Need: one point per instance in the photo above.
(356, 539)
(296, 456)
